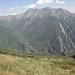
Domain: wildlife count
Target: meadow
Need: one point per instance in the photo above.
(26, 64)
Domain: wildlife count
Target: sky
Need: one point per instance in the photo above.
(13, 7)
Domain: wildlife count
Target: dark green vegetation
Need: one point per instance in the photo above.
(73, 56)
(46, 31)
(19, 63)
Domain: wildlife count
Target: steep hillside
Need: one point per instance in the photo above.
(10, 40)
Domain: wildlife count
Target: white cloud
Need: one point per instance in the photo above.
(29, 6)
(13, 11)
(40, 2)
(18, 7)
(13, 14)
(58, 2)
(32, 6)
(23, 7)
(10, 9)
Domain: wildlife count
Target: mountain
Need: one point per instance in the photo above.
(44, 30)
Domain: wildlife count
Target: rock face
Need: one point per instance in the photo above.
(44, 30)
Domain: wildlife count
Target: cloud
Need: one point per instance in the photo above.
(58, 2)
(29, 6)
(23, 7)
(10, 9)
(32, 6)
(40, 2)
(18, 7)
(13, 13)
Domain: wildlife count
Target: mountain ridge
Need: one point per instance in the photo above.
(46, 30)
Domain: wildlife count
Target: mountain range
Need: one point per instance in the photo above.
(44, 30)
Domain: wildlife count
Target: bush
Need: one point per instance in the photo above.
(73, 56)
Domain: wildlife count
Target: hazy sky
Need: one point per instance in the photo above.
(20, 6)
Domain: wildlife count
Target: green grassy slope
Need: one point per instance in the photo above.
(37, 65)
(9, 39)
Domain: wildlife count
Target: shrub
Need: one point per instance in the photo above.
(73, 56)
